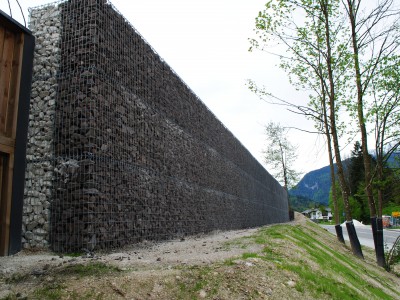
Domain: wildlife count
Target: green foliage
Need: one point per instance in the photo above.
(391, 207)
(333, 59)
(315, 187)
(280, 154)
(385, 109)
(301, 30)
(356, 168)
(390, 187)
(301, 203)
(360, 210)
(358, 205)
(339, 204)
(393, 255)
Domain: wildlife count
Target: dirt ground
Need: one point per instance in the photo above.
(147, 259)
(213, 266)
(194, 250)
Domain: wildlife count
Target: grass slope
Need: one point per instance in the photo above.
(299, 260)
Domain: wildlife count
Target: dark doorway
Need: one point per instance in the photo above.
(5, 204)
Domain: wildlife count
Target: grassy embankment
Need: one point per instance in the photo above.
(295, 261)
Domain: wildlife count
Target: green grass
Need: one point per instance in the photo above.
(249, 255)
(319, 284)
(57, 290)
(270, 254)
(49, 292)
(260, 240)
(333, 263)
(199, 278)
(92, 269)
(230, 261)
(17, 278)
(298, 253)
(241, 243)
(336, 277)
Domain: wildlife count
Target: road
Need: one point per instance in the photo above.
(365, 235)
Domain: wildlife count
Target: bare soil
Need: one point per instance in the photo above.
(146, 261)
(194, 250)
(193, 266)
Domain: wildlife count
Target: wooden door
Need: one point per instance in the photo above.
(11, 48)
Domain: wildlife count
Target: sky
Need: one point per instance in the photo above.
(206, 43)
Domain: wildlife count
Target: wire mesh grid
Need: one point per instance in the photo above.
(136, 155)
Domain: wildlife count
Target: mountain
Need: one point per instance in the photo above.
(300, 203)
(314, 186)
(394, 160)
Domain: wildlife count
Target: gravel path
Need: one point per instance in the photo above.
(194, 250)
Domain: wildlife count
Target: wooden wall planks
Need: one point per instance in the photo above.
(11, 51)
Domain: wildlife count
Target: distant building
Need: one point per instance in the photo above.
(317, 215)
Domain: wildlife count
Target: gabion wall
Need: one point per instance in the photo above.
(45, 24)
(131, 152)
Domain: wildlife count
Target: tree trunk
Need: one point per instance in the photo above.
(377, 227)
(355, 243)
(378, 238)
(338, 228)
(339, 233)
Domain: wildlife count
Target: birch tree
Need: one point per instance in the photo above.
(313, 52)
(374, 35)
(280, 155)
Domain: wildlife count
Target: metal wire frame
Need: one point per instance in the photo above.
(20, 8)
(136, 154)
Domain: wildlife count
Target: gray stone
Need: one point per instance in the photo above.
(120, 149)
(29, 235)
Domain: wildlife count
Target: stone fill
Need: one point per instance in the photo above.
(120, 149)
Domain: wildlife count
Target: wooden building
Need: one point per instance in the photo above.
(16, 58)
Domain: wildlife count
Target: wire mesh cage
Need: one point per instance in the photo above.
(135, 155)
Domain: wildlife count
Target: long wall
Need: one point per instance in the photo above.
(120, 148)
